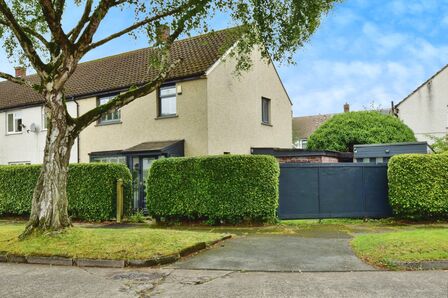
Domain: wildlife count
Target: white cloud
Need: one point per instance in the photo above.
(327, 85)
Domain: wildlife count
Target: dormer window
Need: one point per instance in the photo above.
(14, 122)
(167, 101)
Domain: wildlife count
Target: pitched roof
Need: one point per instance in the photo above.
(303, 127)
(423, 84)
(131, 68)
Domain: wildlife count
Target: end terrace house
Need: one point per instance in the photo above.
(203, 108)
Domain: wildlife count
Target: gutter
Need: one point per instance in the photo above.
(79, 137)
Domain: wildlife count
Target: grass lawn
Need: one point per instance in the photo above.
(102, 243)
(414, 245)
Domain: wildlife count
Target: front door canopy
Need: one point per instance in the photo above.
(167, 148)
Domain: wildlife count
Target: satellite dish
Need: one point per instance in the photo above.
(33, 127)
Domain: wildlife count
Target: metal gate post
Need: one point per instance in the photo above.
(119, 200)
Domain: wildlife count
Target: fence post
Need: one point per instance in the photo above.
(119, 200)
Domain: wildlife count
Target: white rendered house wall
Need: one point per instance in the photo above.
(23, 133)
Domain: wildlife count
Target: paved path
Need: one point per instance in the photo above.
(279, 253)
(22, 280)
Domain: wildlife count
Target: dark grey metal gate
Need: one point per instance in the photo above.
(333, 190)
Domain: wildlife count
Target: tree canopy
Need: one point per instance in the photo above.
(52, 36)
(341, 132)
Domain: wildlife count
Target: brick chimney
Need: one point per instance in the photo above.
(162, 33)
(20, 71)
(346, 108)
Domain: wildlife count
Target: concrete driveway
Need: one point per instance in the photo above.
(283, 253)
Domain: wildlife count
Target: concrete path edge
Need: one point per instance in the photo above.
(104, 263)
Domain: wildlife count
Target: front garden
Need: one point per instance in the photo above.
(102, 242)
(198, 200)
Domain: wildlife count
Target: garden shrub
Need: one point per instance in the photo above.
(418, 185)
(227, 188)
(342, 131)
(91, 189)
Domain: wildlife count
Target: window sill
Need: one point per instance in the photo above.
(166, 117)
(14, 133)
(266, 124)
(108, 123)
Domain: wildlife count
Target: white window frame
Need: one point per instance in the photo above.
(16, 115)
(302, 141)
(162, 97)
(15, 163)
(117, 159)
(103, 100)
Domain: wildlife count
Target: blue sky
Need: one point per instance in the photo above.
(366, 52)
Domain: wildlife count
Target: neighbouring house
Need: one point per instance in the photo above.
(23, 124)
(203, 108)
(303, 127)
(425, 110)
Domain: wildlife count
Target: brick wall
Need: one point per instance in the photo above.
(307, 159)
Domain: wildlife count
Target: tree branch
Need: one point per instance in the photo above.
(30, 31)
(137, 25)
(74, 33)
(53, 19)
(94, 21)
(19, 81)
(134, 93)
(23, 39)
(122, 99)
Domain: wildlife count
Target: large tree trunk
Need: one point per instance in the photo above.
(49, 205)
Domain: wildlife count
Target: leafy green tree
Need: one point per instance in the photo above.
(341, 132)
(440, 145)
(34, 33)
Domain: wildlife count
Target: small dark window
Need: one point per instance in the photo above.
(167, 101)
(265, 110)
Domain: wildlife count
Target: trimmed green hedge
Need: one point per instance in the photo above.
(227, 188)
(418, 185)
(342, 131)
(91, 189)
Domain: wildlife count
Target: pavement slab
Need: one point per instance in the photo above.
(27, 280)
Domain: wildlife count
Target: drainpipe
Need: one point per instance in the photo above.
(79, 137)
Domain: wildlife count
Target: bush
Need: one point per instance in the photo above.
(341, 132)
(91, 189)
(229, 188)
(418, 185)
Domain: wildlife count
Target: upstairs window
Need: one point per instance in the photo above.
(109, 117)
(167, 101)
(14, 122)
(265, 110)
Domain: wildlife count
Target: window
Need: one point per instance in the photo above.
(265, 110)
(15, 163)
(110, 159)
(379, 160)
(14, 123)
(110, 117)
(45, 119)
(303, 143)
(167, 101)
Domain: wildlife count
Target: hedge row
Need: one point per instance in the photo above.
(229, 188)
(91, 189)
(418, 186)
